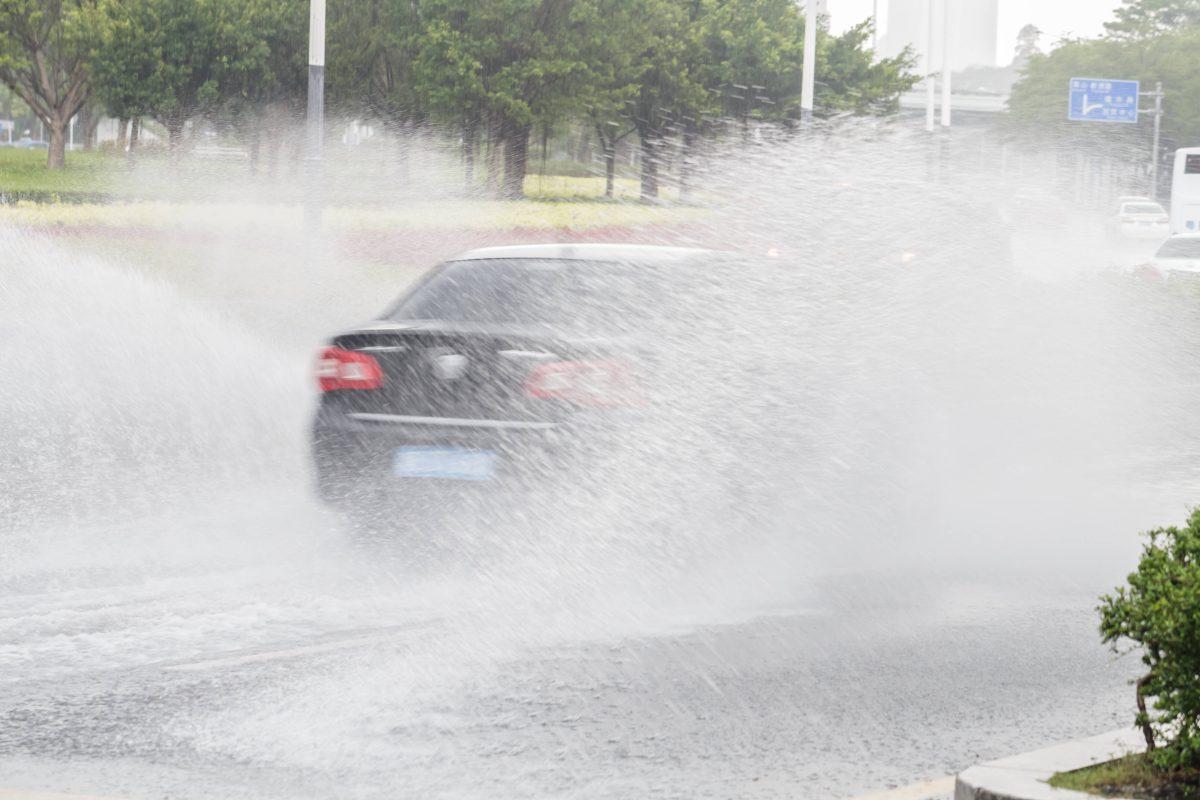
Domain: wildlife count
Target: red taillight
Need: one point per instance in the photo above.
(346, 369)
(589, 383)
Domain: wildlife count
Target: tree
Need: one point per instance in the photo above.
(1037, 105)
(126, 59)
(271, 80)
(372, 51)
(176, 60)
(852, 81)
(1159, 611)
(1027, 45)
(510, 65)
(628, 42)
(43, 59)
(1140, 19)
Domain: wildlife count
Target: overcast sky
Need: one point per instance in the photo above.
(1056, 18)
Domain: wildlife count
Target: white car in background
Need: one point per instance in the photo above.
(1140, 219)
(1178, 254)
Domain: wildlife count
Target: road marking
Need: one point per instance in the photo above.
(261, 656)
(26, 794)
(917, 791)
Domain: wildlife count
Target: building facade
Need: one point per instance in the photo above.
(972, 39)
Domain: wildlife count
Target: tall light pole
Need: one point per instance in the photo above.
(929, 67)
(945, 63)
(875, 27)
(1158, 112)
(315, 123)
(810, 61)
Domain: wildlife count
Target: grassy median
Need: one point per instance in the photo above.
(1131, 776)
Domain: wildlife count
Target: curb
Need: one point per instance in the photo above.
(1024, 777)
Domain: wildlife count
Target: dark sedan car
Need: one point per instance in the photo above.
(503, 369)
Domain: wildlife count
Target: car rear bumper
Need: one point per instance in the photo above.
(354, 455)
(1134, 230)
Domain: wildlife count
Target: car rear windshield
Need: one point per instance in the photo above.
(1142, 208)
(539, 291)
(1180, 248)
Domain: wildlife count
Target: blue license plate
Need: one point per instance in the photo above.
(449, 463)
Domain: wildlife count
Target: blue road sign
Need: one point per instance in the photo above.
(1102, 100)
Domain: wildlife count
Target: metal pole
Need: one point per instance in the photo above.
(1158, 112)
(315, 123)
(875, 26)
(945, 63)
(810, 61)
(929, 68)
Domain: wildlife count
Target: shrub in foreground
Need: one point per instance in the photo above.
(1158, 610)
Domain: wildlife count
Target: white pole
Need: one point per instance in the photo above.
(71, 134)
(1158, 112)
(928, 65)
(875, 26)
(946, 67)
(316, 76)
(810, 60)
(315, 123)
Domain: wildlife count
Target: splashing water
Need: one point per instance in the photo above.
(908, 383)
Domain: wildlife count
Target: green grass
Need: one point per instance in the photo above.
(364, 191)
(443, 215)
(25, 171)
(1131, 776)
(364, 177)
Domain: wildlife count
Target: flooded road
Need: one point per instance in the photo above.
(179, 617)
(325, 675)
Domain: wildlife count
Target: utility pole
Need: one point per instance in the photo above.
(929, 67)
(315, 123)
(810, 61)
(945, 63)
(1158, 112)
(875, 27)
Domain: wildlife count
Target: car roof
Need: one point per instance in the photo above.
(586, 252)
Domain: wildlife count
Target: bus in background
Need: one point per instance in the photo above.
(1185, 191)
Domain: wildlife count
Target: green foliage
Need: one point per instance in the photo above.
(43, 52)
(1140, 19)
(126, 59)
(23, 172)
(177, 59)
(1149, 41)
(1159, 611)
(371, 50)
(1131, 776)
(853, 82)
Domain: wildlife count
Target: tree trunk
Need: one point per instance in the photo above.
(649, 189)
(610, 171)
(89, 130)
(1143, 719)
(122, 129)
(686, 159)
(175, 137)
(255, 149)
(89, 120)
(493, 156)
(469, 152)
(135, 133)
(56, 158)
(516, 160)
